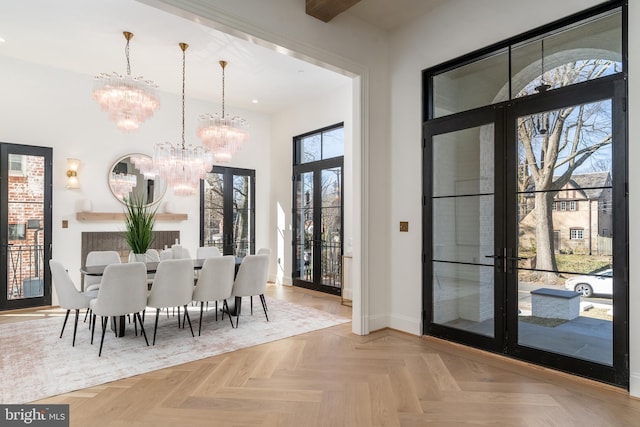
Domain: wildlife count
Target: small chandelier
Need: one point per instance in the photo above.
(182, 167)
(128, 100)
(222, 134)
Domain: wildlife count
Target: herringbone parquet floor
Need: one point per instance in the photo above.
(332, 377)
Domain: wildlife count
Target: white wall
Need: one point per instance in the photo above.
(54, 108)
(309, 115)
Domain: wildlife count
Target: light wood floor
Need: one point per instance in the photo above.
(332, 377)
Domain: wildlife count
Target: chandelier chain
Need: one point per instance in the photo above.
(223, 90)
(126, 53)
(183, 78)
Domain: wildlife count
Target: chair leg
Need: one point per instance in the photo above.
(179, 318)
(117, 326)
(238, 308)
(75, 328)
(155, 328)
(186, 314)
(104, 319)
(264, 306)
(216, 310)
(135, 325)
(200, 325)
(226, 306)
(252, 305)
(93, 326)
(65, 323)
(142, 328)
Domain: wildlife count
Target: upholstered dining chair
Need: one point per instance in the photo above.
(98, 258)
(264, 251)
(123, 291)
(166, 254)
(215, 283)
(68, 295)
(172, 287)
(204, 252)
(251, 280)
(267, 252)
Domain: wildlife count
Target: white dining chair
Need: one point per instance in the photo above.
(215, 283)
(204, 252)
(123, 291)
(166, 254)
(264, 251)
(172, 287)
(98, 258)
(251, 280)
(267, 252)
(69, 296)
(180, 252)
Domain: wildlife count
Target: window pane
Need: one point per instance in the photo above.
(311, 148)
(477, 84)
(333, 143)
(463, 162)
(583, 52)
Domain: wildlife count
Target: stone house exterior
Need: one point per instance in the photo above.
(582, 216)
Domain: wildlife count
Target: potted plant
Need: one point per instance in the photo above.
(139, 219)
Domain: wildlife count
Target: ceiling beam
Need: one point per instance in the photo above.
(326, 10)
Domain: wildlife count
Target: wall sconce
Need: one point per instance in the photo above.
(72, 173)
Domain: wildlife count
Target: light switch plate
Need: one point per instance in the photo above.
(404, 225)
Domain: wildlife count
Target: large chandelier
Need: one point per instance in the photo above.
(182, 166)
(128, 100)
(222, 134)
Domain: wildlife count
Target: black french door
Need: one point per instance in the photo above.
(227, 221)
(317, 226)
(521, 234)
(25, 226)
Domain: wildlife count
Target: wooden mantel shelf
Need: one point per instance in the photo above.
(119, 216)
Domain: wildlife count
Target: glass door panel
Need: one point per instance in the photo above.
(242, 215)
(565, 221)
(228, 214)
(213, 221)
(304, 226)
(26, 222)
(463, 217)
(331, 241)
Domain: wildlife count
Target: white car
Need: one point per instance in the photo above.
(600, 284)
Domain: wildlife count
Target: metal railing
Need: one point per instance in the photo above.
(25, 267)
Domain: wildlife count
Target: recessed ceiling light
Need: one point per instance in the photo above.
(2, 40)
(254, 101)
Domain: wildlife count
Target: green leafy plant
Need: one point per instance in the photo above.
(139, 221)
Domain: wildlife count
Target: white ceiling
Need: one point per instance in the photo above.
(85, 36)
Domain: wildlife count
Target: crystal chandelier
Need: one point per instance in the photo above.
(182, 166)
(128, 100)
(222, 134)
(122, 184)
(145, 165)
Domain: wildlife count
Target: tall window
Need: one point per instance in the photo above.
(318, 209)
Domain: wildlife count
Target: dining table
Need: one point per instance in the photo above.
(118, 326)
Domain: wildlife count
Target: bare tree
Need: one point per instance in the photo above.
(553, 144)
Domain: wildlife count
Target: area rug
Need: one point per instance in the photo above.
(37, 364)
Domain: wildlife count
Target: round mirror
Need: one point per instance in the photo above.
(133, 176)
